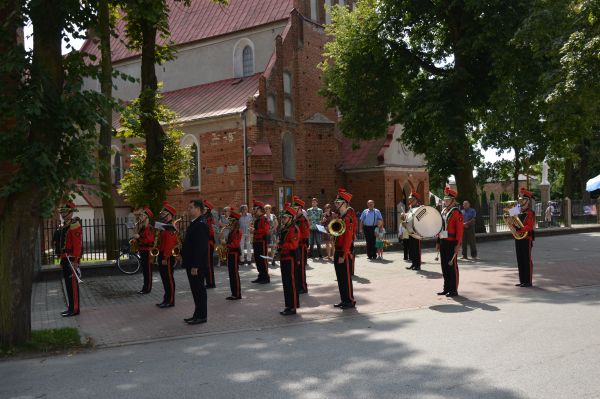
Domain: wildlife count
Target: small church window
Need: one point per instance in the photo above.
(247, 61)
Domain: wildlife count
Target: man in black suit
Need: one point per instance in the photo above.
(194, 254)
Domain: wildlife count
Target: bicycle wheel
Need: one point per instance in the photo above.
(128, 263)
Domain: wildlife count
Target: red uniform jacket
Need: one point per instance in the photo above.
(528, 220)
(211, 230)
(354, 225)
(233, 241)
(146, 240)
(73, 242)
(344, 242)
(303, 228)
(288, 242)
(261, 229)
(168, 241)
(454, 224)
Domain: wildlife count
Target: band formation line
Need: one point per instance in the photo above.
(163, 243)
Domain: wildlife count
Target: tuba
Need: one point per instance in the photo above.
(513, 223)
(336, 227)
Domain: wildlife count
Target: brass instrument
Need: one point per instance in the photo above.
(134, 243)
(513, 223)
(336, 227)
(154, 250)
(177, 249)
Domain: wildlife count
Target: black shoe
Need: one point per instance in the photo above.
(287, 312)
(338, 305)
(417, 268)
(160, 304)
(265, 281)
(409, 268)
(348, 305)
(519, 285)
(525, 285)
(258, 280)
(233, 298)
(66, 312)
(142, 292)
(302, 292)
(189, 319)
(211, 286)
(442, 293)
(166, 305)
(452, 294)
(196, 321)
(69, 314)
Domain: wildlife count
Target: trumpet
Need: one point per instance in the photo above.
(336, 227)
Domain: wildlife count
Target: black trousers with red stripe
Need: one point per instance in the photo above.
(523, 249)
(260, 248)
(166, 275)
(233, 264)
(210, 274)
(72, 286)
(449, 269)
(301, 253)
(344, 278)
(414, 249)
(288, 278)
(146, 270)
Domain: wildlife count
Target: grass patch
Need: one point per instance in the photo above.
(45, 341)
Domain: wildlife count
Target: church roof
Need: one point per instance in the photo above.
(210, 100)
(368, 154)
(204, 19)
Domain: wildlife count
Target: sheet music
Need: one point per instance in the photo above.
(514, 211)
(321, 228)
(164, 226)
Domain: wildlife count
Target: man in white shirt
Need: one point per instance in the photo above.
(246, 243)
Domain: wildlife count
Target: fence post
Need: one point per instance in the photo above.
(493, 216)
(568, 210)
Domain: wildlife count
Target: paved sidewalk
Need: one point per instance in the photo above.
(113, 314)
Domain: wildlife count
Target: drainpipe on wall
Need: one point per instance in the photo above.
(245, 135)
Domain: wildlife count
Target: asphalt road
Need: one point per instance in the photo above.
(497, 341)
(539, 345)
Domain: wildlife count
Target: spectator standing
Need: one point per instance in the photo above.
(328, 216)
(469, 215)
(246, 242)
(273, 239)
(368, 222)
(549, 214)
(315, 214)
(379, 237)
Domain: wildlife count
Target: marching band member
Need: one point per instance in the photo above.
(209, 220)
(288, 245)
(145, 238)
(233, 255)
(260, 231)
(523, 246)
(414, 245)
(342, 255)
(449, 242)
(70, 242)
(352, 213)
(166, 260)
(301, 221)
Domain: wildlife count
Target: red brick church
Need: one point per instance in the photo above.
(245, 88)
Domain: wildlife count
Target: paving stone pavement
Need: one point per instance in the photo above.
(112, 312)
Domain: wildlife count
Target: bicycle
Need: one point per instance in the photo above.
(128, 262)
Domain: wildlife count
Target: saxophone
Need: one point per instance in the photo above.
(154, 250)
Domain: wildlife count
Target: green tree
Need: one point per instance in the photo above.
(177, 158)
(425, 64)
(48, 133)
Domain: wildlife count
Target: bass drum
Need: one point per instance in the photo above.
(423, 222)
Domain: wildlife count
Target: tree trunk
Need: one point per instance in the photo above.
(20, 220)
(516, 171)
(154, 179)
(104, 153)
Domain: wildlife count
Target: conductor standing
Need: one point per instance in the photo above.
(194, 254)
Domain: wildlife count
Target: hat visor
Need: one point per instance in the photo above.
(447, 197)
